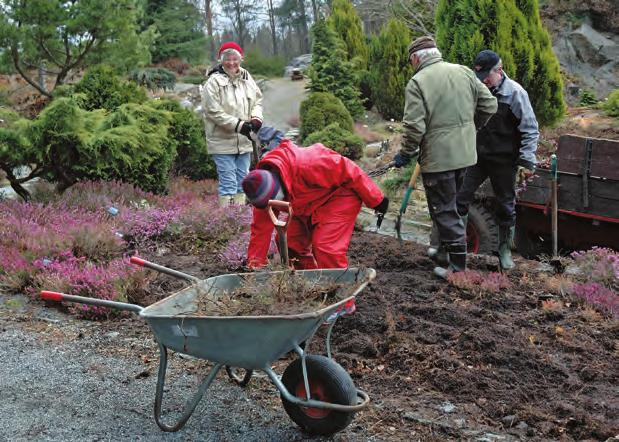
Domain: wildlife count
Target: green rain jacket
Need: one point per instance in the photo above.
(445, 104)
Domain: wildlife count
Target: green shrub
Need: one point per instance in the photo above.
(187, 130)
(103, 89)
(154, 78)
(321, 109)
(259, 65)
(131, 144)
(611, 105)
(588, 98)
(330, 70)
(513, 29)
(340, 140)
(193, 79)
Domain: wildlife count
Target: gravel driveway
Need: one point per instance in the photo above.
(65, 379)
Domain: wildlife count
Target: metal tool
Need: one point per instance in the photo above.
(281, 227)
(407, 196)
(381, 170)
(255, 155)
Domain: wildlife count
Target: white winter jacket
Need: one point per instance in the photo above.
(227, 103)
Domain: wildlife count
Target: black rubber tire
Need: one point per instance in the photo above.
(239, 379)
(329, 382)
(482, 223)
(529, 245)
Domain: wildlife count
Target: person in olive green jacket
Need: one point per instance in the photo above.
(445, 104)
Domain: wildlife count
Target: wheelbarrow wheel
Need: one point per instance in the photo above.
(238, 377)
(328, 382)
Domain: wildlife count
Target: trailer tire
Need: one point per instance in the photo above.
(482, 231)
(328, 382)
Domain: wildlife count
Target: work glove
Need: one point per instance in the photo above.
(246, 129)
(382, 206)
(400, 160)
(256, 124)
(523, 174)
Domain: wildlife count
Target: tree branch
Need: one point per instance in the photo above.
(15, 58)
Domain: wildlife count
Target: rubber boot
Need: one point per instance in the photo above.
(225, 200)
(457, 261)
(239, 199)
(506, 239)
(436, 252)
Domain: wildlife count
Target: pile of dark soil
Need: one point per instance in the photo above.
(442, 363)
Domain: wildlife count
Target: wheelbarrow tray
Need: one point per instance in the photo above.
(250, 342)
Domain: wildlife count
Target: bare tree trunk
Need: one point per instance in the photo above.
(208, 18)
(271, 12)
(315, 10)
(303, 27)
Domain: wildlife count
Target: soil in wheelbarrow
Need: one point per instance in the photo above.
(505, 356)
(282, 293)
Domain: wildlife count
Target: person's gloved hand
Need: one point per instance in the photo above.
(523, 174)
(382, 206)
(256, 124)
(400, 161)
(246, 129)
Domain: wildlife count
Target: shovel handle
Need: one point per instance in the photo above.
(410, 188)
(555, 208)
(281, 205)
(57, 296)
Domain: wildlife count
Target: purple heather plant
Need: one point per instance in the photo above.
(596, 294)
(476, 281)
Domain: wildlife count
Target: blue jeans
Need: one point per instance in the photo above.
(231, 169)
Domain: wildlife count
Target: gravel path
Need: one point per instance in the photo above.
(64, 379)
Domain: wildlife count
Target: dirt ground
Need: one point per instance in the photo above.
(445, 364)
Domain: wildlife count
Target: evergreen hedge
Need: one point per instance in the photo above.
(340, 140)
(103, 89)
(513, 29)
(321, 109)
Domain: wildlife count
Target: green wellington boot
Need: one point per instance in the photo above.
(506, 239)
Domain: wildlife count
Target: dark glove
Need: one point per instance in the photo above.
(400, 160)
(246, 129)
(383, 206)
(256, 124)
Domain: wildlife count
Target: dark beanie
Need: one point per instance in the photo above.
(425, 42)
(260, 186)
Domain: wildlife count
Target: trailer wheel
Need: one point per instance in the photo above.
(328, 382)
(238, 377)
(528, 244)
(482, 231)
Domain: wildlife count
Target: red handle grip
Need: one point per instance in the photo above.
(137, 261)
(51, 296)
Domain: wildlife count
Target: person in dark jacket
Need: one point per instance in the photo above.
(444, 106)
(325, 191)
(506, 149)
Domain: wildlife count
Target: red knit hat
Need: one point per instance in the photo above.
(260, 186)
(230, 45)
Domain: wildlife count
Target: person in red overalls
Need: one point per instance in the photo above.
(325, 191)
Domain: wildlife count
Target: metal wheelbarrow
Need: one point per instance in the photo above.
(316, 392)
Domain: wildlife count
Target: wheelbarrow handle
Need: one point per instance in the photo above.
(159, 268)
(57, 296)
(282, 205)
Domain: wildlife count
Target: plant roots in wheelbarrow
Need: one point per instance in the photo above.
(328, 382)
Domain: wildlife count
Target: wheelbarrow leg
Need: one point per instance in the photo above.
(190, 405)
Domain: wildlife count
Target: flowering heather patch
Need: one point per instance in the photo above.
(599, 264)
(235, 253)
(478, 282)
(78, 276)
(596, 294)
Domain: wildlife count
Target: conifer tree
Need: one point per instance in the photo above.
(346, 23)
(513, 29)
(330, 71)
(390, 68)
